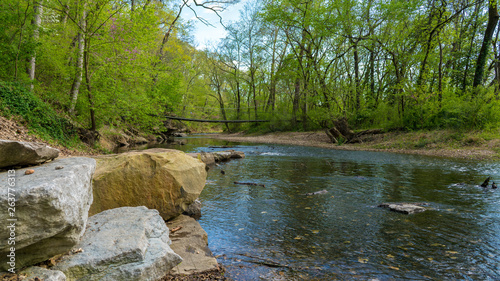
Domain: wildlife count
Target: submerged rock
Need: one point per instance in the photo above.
(324, 191)
(16, 153)
(129, 243)
(405, 208)
(163, 179)
(51, 210)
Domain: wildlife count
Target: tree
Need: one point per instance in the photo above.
(488, 35)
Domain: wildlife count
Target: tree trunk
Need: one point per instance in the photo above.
(75, 87)
(93, 125)
(488, 35)
(37, 20)
(440, 73)
(356, 77)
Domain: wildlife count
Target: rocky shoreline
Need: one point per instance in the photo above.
(112, 217)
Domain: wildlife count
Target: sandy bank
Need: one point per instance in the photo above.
(389, 142)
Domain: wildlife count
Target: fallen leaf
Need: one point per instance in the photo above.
(362, 260)
(297, 238)
(307, 208)
(315, 231)
(389, 256)
(394, 268)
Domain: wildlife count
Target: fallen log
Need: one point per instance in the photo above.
(249, 183)
(341, 132)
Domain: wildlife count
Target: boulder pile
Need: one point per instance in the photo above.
(130, 196)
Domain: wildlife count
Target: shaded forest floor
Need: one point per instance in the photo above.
(442, 143)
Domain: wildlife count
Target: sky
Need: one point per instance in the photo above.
(204, 34)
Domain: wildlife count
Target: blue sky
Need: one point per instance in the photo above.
(204, 34)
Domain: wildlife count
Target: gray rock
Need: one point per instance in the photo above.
(324, 191)
(15, 153)
(194, 210)
(405, 208)
(191, 243)
(51, 210)
(210, 158)
(43, 274)
(180, 135)
(128, 243)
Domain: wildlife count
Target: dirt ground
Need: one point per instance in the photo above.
(11, 130)
(387, 142)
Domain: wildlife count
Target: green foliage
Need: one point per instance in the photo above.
(461, 112)
(16, 100)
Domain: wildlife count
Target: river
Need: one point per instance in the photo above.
(275, 232)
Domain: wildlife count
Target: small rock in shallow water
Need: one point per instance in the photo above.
(405, 208)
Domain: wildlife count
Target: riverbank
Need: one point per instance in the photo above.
(443, 143)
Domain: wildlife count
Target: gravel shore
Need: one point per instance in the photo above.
(388, 142)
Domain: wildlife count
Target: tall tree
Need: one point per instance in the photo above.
(488, 36)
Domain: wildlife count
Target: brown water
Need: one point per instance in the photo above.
(277, 233)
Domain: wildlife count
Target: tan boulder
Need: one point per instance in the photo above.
(163, 179)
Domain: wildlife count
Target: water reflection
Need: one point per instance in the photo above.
(342, 234)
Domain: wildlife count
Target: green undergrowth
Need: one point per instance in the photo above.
(34, 113)
(437, 139)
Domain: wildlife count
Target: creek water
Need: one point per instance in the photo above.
(275, 232)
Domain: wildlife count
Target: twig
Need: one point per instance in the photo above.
(176, 229)
(263, 261)
(249, 183)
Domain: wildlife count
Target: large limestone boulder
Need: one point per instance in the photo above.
(16, 153)
(51, 210)
(129, 243)
(162, 179)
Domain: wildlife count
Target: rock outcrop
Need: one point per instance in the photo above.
(51, 209)
(15, 153)
(191, 243)
(129, 243)
(162, 179)
(210, 158)
(405, 208)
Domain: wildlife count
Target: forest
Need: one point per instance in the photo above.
(411, 65)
